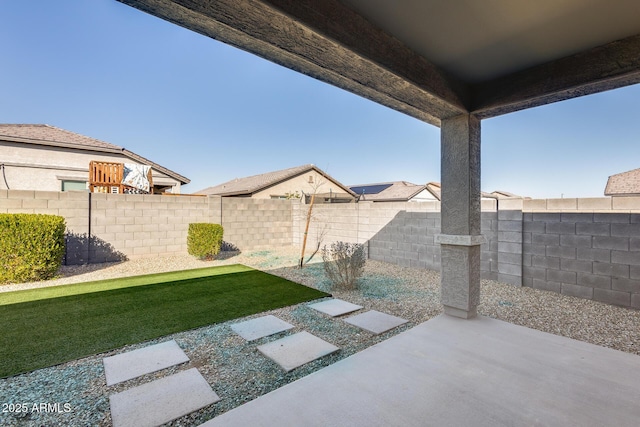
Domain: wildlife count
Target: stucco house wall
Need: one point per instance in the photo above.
(43, 168)
(423, 196)
(308, 183)
(305, 180)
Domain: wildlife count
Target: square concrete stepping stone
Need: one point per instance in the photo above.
(296, 350)
(335, 307)
(161, 401)
(375, 321)
(125, 366)
(261, 327)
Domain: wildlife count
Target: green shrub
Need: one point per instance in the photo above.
(344, 263)
(204, 240)
(31, 246)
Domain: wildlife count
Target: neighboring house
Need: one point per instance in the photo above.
(403, 191)
(285, 184)
(623, 184)
(397, 191)
(47, 158)
(499, 194)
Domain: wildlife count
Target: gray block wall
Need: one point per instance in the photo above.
(510, 240)
(401, 233)
(592, 255)
(408, 240)
(360, 222)
(489, 249)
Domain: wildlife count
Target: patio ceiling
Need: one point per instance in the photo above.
(433, 59)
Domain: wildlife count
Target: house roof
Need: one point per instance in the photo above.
(47, 135)
(395, 191)
(623, 184)
(500, 194)
(252, 184)
(436, 189)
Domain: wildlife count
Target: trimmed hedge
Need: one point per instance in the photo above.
(31, 246)
(204, 240)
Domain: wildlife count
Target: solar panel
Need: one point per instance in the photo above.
(370, 189)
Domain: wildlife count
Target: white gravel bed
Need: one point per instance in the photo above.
(238, 373)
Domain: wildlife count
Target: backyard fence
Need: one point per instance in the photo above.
(104, 227)
(588, 248)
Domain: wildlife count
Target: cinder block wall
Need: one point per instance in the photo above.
(489, 250)
(255, 223)
(108, 227)
(361, 223)
(73, 206)
(399, 233)
(142, 225)
(408, 240)
(589, 248)
(509, 237)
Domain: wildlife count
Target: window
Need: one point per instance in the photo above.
(310, 179)
(71, 185)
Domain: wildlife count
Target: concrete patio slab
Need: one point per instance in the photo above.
(296, 350)
(455, 372)
(335, 307)
(125, 366)
(261, 327)
(375, 321)
(161, 401)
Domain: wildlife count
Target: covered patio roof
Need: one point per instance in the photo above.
(433, 59)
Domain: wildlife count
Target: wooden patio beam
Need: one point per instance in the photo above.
(611, 66)
(327, 41)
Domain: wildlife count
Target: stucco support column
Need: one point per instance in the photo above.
(460, 224)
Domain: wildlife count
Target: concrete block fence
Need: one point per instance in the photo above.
(589, 248)
(111, 227)
(398, 233)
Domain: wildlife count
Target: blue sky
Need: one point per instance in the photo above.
(213, 113)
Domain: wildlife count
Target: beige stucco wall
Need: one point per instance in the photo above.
(301, 184)
(33, 167)
(422, 196)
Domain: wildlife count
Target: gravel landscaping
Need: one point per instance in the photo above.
(76, 392)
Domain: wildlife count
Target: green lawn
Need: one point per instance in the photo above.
(44, 327)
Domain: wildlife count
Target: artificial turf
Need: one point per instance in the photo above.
(43, 332)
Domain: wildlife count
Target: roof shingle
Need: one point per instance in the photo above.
(623, 184)
(50, 135)
(40, 133)
(251, 184)
(397, 191)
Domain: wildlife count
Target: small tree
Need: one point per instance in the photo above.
(309, 218)
(344, 263)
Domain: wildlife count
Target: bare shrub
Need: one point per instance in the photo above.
(344, 263)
